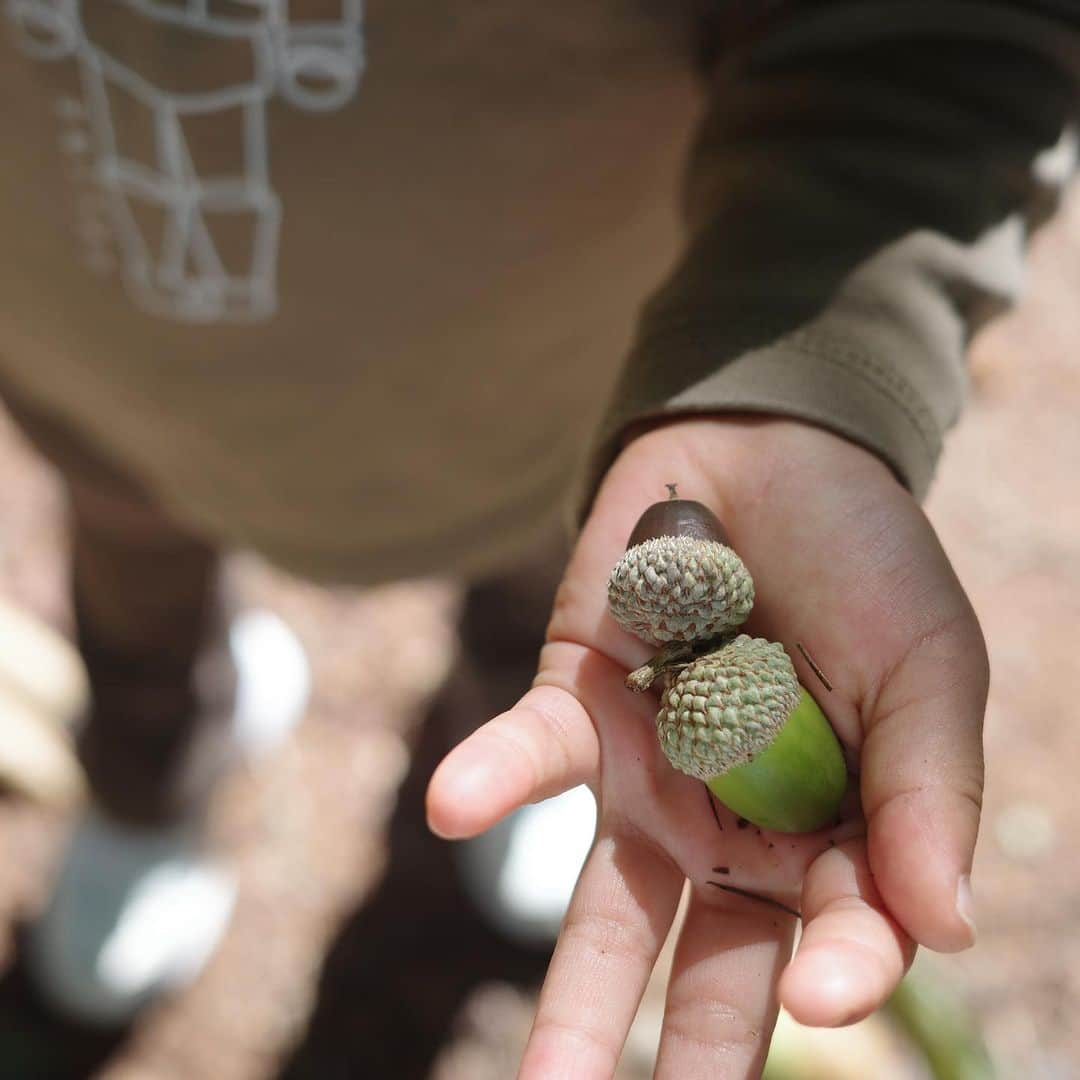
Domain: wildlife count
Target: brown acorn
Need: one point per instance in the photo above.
(679, 580)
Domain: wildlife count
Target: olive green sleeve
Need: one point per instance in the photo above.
(858, 198)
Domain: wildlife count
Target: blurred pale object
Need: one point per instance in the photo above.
(870, 1048)
(1025, 831)
(43, 689)
(522, 872)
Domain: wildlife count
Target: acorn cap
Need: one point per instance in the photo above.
(680, 588)
(724, 708)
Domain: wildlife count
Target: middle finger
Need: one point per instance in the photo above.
(618, 919)
(721, 1000)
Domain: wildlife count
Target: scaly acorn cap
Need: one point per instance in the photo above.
(738, 719)
(680, 588)
(722, 709)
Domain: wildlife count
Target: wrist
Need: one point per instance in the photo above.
(738, 445)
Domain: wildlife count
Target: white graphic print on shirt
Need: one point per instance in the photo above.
(177, 268)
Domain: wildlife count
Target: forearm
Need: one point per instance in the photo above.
(858, 199)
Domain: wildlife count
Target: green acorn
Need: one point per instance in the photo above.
(738, 719)
(732, 711)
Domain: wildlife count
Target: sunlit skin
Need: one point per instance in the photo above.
(843, 560)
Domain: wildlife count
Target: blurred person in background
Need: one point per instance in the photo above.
(353, 286)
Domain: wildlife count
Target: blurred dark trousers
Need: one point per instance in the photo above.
(146, 601)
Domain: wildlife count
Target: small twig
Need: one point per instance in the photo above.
(674, 656)
(813, 664)
(640, 679)
(748, 895)
(712, 807)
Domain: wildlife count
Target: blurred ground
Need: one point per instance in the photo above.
(309, 833)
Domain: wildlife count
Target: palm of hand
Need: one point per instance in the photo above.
(844, 561)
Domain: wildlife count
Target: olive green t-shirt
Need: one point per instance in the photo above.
(373, 288)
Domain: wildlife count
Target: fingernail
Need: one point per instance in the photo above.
(965, 903)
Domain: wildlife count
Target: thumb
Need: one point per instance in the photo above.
(541, 747)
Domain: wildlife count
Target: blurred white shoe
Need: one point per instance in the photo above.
(137, 912)
(521, 873)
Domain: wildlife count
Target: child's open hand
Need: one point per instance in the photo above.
(844, 561)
